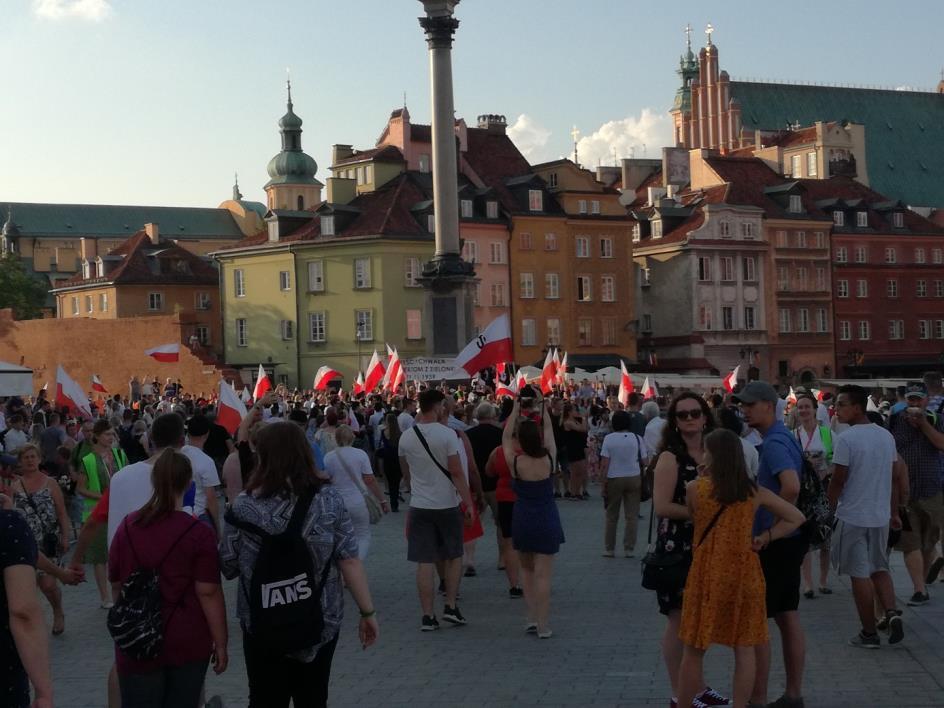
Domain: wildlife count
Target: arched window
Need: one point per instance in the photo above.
(301, 202)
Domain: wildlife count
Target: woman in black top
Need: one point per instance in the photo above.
(389, 457)
(575, 441)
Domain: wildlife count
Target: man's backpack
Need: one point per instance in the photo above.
(814, 504)
(284, 600)
(135, 621)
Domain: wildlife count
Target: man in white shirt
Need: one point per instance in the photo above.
(15, 437)
(405, 419)
(622, 459)
(653, 434)
(434, 474)
(206, 480)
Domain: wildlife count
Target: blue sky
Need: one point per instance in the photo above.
(134, 102)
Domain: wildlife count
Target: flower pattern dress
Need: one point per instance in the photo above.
(676, 534)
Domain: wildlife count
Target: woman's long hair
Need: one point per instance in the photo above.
(171, 476)
(671, 437)
(393, 428)
(727, 469)
(285, 464)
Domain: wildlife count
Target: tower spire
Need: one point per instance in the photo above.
(288, 86)
(574, 133)
(236, 193)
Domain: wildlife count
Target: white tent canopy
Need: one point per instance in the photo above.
(15, 380)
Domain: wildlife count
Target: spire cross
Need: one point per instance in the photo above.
(708, 30)
(688, 35)
(574, 133)
(288, 85)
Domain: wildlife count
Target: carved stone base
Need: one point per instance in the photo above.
(448, 325)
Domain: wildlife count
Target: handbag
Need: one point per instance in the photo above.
(50, 541)
(374, 507)
(663, 570)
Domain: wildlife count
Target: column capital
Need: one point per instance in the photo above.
(439, 30)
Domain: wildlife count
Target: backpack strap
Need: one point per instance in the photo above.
(425, 445)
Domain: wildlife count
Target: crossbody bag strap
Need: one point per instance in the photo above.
(711, 525)
(425, 444)
(357, 482)
(29, 500)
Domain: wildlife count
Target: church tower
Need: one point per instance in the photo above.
(682, 108)
(292, 185)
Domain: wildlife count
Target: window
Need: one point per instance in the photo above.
(891, 287)
(784, 320)
(411, 271)
(862, 219)
(595, 206)
(608, 327)
(414, 324)
(498, 294)
(606, 247)
(89, 307)
(583, 246)
(842, 254)
(470, 252)
(491, 210)
(316, 282)
(782, 239)
(646, 274)
(201, 301)
(862, 288)
(801, 239)
(796, 166)
(526, 285)
(647, 323)
(496, 250)
(287, 328)
(725, 228)
(937, 256)
(360, 175)
(477, 294)
(637, 233)
(155, 302)
(821, 280)
(802, 279)
(203, 335)
(749, 269)
(842, 288)
(845, 330)
(607, 288)
(368, 174)
(103, 302)
(424, 163)
(919, 255)
(704, 269)
(727, 318)
(364, 325)
(528, 337)
(285, 280)
(465, 208)
(524, 241)
(898, 220)
(727, 268)
(865, 330)
(550, 242)
(327, 225)
(704, 317)
(924, 329)
(553, 331)
(747, 229)
(796, 204)
(362, 272)
(431, 223)
(535, 200)
(75, 306)
(803, 320)
(783, 278)
(551, 286)
(811, 164)
(242, 333)
(839, 218)
(656, 228)
(750, 317)
(582, 206)
(939, 288)
(317, 332)
(822, 319)
(862, 254)
(552, 179)
(584, 292)
(896, 329)
(239, 282)
(819, 238)
(891, 255)
(584, 332)
(939, 329)
(86, 269)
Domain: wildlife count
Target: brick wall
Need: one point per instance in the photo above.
(113, 349)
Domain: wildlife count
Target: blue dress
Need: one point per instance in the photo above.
(535, 523)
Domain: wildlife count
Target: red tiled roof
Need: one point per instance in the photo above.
(388, 153)
(495, 158)
(642, 191)
(421, 133)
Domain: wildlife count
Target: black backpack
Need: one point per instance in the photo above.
(814, 504)
(284, 601)
(135, 621)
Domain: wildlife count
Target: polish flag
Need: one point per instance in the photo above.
(626, 384)
(359, 384)
(394, 369)
(791, 397)
(548, 373)
(817, 393)
(731, 380)
(649, 390)
(323, 376)
(97, 384)
(230, 409)
(375, 372)
(491, 347)
(500, 369)
(263, 385)
(167, 353)
(69, 394)
(562, 371)
(509, 389)
(399, 377)
(245, 396)
(520, 381)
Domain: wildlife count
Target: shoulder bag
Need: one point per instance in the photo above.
(374, 507)
(50, 540)
(422, 439)
(663, 570)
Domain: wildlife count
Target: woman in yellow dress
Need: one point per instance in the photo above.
(724, 594)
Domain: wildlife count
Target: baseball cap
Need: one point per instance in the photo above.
(757, 391)
(916, 389)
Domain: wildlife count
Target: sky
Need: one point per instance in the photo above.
(134, 102)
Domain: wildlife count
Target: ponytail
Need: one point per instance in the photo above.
(171, 476)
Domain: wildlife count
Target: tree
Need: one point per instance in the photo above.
(21, 290)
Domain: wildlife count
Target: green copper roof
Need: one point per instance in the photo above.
(291, 165)
(904, 130)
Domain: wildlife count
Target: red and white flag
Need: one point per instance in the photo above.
(375, 373)
(490, 348)
(394, 370)
(520, 381)
(791, 397)
(626, 384)
(167, 353)
(398, 378)
(323, 376)
(548, 373)
(230, 410)
(97, 384)
(359, 384)
(263, 385)
(817, 393)
(730, 381)
(562, 371)
(509, 389)
(245, 396)
(649, 390)
(69, 393)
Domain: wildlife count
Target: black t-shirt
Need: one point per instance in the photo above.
(215, 445)
(484, 438)
(637, 423)
(17, 547)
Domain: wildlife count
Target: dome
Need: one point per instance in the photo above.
(290, 121)
(292, 167)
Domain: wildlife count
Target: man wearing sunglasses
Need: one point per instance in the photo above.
(781, 462)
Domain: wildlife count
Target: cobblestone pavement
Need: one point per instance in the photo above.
(605, 650)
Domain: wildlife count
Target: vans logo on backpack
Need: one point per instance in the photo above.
(285, 592)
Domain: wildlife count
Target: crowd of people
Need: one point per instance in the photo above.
(749, 491)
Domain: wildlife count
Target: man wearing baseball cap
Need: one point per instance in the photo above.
(919, 438)
(780, 465)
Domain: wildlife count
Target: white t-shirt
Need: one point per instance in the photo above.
(14, 440)
(405, 421)
(653, 434)
(430, 488)
(357, 462)
(204, 475)
(868, 451)
(808, 442)
(128, 491)
(623, 450)
(751, 457)
(822, 414)
(375, 421)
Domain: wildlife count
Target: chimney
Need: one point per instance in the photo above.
(653, 194)
(670, 190)
(153, 233)
(493, 123)
(340, 152)
(341, 190)
(88, 248)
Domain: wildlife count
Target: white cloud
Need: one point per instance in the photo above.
(530, 137)
(92, 10)
(642, 136)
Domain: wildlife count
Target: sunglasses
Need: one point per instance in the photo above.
(694, 414)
